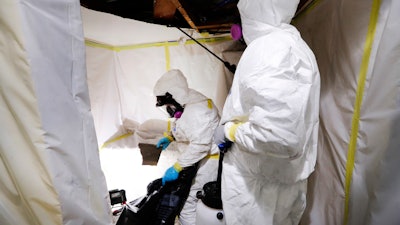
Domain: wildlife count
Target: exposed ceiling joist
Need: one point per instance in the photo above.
(213, 16)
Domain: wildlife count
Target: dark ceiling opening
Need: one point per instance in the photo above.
(213, 16)
(202, 15)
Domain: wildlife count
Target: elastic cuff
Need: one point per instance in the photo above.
(178, 167)
(170, 138)
(230, 130)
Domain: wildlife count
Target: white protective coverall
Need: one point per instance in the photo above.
(271, 115)
(193, 133)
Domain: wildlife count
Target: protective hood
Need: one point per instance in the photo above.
(260, 17)
(175, 83)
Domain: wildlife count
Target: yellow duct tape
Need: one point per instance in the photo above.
(357, 104)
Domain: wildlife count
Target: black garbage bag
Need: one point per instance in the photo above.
(161, 204)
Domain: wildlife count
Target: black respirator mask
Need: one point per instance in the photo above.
(174, 109)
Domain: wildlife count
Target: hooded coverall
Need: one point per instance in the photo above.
(193, 133)
(271, 115)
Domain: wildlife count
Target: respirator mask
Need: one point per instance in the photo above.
(174, 109)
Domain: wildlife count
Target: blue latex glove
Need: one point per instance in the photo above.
(172, 173)
(163, 143)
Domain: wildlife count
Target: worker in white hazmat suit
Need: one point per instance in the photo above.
(196, 118)
(271, 118)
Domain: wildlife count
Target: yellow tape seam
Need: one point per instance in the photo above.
(169, 137)
(232, 131)
(305, 11)
(178, 167)
(357, 105)
(95, 44)
(167, 58)
(213, 156)
(169, 125)
(209, 102)
(115, 139)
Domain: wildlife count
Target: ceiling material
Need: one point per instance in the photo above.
(213, 16)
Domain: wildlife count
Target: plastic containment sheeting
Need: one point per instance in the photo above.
(49, 156)
(356, 45)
